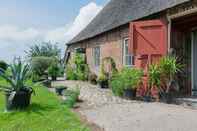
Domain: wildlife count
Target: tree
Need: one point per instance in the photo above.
(45, 49)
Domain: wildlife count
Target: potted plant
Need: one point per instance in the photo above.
(53, 70)
(59, 90)
(131, 78)
(103, 81)
(18, 94)
(169, 68)
(93, 78)
(154, 81)
(126, 82)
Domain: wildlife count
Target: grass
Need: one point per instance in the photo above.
(46, 113)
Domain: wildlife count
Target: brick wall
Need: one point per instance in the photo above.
(110, 44)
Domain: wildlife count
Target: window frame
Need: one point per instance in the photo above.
(96, 64)
(124, 55)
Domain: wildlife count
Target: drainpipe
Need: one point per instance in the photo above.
(169, 33)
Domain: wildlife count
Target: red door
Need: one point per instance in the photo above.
(148, 42)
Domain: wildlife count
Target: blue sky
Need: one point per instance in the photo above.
(26, 22)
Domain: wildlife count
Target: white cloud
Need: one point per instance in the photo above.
(14, 40)
(14, 33)
(85, 16)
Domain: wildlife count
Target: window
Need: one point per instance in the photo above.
(96, 56)
(127, 58)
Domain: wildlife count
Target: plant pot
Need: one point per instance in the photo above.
(167, 98)
(104, 84)
(18, 100)
(54, 78)
(147, 98)
(47, 83)
(60, 90)
(129, 93)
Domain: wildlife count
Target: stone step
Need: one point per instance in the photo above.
(191, 102)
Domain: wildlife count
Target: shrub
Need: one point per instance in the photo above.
(71, 97)
(3, 65)
(77, 69)
(128, 78)
(54, 70)
(154, 77)
(169, 68)
(40, 65)
(93, 78)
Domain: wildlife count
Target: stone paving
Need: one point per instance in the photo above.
(115, 114)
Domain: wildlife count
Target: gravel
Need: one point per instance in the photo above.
(116, 114)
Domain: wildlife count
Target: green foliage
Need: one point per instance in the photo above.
(70, 73)
(169, 66)
(93, 78)
(77, 69)
(40, 65)
(54, 69)
(128, 78)
(46, 113)
(3, 65)
(45, 49)
(154, 75)
(71, 97)
(104, 75)
(17, 77)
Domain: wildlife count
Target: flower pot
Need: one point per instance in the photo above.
(18, 100)
(104, 84)
(129, 93)
(167, 98)
(54, 78)
(47, 83)
(147, 98)
(60, 90)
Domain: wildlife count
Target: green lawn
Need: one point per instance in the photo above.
(46, 113)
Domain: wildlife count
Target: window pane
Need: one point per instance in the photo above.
(97, 56)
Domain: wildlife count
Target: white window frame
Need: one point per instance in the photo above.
(94, 56)
(128, 55)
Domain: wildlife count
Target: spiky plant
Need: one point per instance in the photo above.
(169, 66)
(17, 77)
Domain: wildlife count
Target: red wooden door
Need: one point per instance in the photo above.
(148, 43)
(148, 40)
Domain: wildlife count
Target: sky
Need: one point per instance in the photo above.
(27, 22)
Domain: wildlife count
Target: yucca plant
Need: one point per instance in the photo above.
(17, 93)
(169, 66)
(17, 77)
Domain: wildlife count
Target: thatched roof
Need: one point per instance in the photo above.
(120, 12)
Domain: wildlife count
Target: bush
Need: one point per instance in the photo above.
(77, 69)
(93, 78)
(40, 65)
(54, 70)
(128, 78)
(71, 97)
(3, 65)
(70, 73)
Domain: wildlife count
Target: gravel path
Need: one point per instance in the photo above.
(115, 114)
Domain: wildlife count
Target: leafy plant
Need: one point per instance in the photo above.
(54, 70)
(39, 66)
(127, 78)
(93, 78)
(71, 97)
(45, 49)
(169, 68)
(3, 65)
(17, 78)
(154, 77)
(77, 69)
